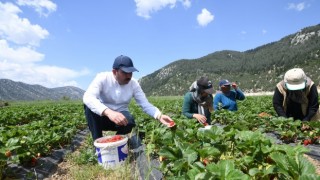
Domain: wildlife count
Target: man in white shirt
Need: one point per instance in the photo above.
(108, 96)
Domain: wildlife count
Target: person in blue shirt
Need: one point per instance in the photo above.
(227, 98)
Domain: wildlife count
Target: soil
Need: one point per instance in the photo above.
(61, 173)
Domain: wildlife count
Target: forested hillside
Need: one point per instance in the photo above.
(254, 70)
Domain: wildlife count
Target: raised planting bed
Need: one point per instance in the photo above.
(43, 166)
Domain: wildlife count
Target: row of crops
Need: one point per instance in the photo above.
(239, 144)
(251, 143)
(32, 130)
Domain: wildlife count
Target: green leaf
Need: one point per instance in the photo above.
(12, 142)
(269, 170)
(304, 167)
(199, 166)
(192, 173)
(204, 176)
(209, 151)
(190, 155)
(179, 166)
(225, 169)
(309, 177)
(281, 161)
(168, 153)
(254, 171)
(247, 159)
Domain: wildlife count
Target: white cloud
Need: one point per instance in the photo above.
(48, 76)
(243, 32)
(297, 7)
(43, 7)
(22, 54)
(186, 3)
(19, 30)
(264, 31)
(205, 17)
(147, 7)
(19, 59)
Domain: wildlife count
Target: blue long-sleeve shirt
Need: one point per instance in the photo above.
(228, 101)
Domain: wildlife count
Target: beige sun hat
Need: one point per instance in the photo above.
(295, 79)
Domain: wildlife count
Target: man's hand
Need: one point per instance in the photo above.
(234, 85)
(166, 120)
(116, 117)
(201, 118)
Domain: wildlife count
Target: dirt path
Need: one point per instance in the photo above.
(61, 173)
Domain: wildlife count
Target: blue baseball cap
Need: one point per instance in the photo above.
(224, 82)
(124, 63)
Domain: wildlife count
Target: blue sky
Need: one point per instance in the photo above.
(64, 42)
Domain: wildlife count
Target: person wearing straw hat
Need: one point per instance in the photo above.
(197, 102)
(108, 96)
(296, 96)
(227, 98)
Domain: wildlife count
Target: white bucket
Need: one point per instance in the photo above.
(111, 154)
(208, 127)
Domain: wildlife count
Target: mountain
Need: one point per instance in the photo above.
(254, 70)
(11, 90)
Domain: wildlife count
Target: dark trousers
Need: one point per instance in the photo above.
(98, 123)
(208, 115)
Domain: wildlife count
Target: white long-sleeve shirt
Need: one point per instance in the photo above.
(105, 92)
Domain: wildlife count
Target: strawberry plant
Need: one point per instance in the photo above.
(234, 147)
(36, 128)
(236, 141)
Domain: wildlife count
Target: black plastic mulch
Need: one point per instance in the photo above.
(45, 165)
(147, 169)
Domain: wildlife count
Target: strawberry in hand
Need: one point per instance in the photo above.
(171, 124)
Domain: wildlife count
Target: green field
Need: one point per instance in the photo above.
(236, 147)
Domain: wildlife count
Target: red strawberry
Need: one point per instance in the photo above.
(306, 142)
(205, 161)
(33, 161)
(171, 124)
(8, 153)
